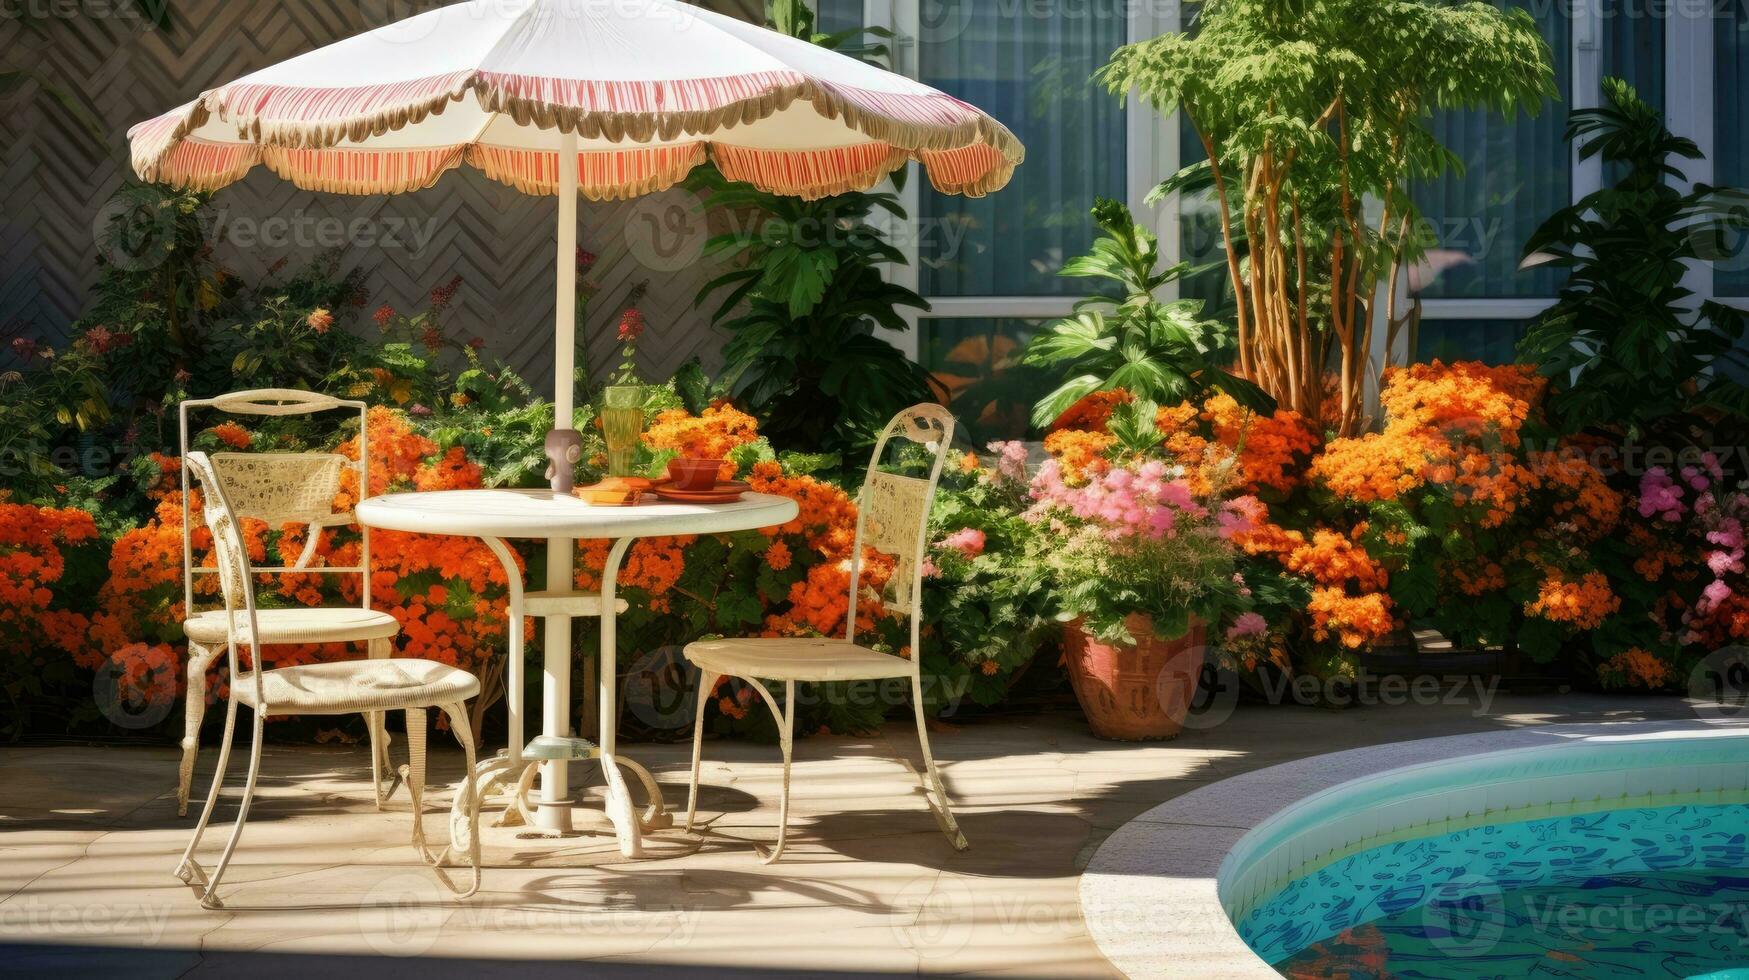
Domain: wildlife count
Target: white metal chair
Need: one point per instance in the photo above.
(407, 684)
(892, 518)
(282, 488)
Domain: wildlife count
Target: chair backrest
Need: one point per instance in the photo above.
(892, 515)
(281, 488)
(230, 560)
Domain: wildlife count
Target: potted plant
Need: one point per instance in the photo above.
(1141, 563)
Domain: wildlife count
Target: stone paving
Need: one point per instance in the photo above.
(88, 837)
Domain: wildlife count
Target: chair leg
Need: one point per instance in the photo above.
(414, 776)
(185, 868)
(379, 649)
(200, 657)
(940, 805)
(464, 733)
(210, 899)
(707, 682)
(787, 740)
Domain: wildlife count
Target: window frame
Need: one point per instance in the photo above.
(1153, 151)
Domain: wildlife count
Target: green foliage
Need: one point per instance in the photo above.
(1626, 348)
(1156, 350)
(496, 418)
(1306, 109)
(801, 302)
(989, 611)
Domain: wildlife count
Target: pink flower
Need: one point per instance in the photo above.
(1660, 495)
(1248, 624)
(967, 541)
(1010, 460)
(1715, 593)
(319, 320)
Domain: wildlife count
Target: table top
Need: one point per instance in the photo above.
(549, 514)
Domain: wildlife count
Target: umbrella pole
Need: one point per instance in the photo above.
(556, 683)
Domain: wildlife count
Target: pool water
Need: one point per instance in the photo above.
(1680, 924)
(1651, 892)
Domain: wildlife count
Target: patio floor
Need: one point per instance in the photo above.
(868, 886)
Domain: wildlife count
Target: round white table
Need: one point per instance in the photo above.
(496, 515)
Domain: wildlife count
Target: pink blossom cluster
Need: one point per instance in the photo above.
(1141, 501)
(1660, 496)
(1010, 460)
(967, 541)
(1247, 624)
(1720, 517)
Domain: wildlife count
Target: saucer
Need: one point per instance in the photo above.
(724, 492)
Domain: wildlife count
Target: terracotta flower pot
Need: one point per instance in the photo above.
(1138, 693)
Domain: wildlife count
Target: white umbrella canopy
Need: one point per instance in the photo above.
(650, 89)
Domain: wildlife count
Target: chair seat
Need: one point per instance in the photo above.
(795, 659)
(320, 625)
(349, 686)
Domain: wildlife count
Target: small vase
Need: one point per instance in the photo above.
(1134, 693)
(622, 424)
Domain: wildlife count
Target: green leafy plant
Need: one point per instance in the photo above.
(1625, 348)
(801, 304)
(1154, 349)
(987, 601)
(1307, 109)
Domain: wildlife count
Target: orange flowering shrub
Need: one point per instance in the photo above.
(1092, 411)
(712, 434)
(1634, 667)
(1080, 454)
(1583, 601)
(44, 552)
(1450, 498)
(1454, 501)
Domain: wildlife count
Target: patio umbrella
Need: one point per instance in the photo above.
(635, 93)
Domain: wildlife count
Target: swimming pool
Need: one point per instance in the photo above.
(1605, 858)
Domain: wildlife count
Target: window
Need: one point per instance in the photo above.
(989, 265)
(977, 360)
(1731, 133)
(1633, 45)
(1479, 219)
(1488, 341)
(1032, 74)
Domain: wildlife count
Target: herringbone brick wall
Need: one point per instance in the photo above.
(82, 73)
